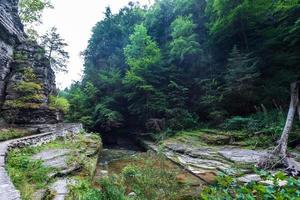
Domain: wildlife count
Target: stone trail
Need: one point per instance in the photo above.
(7, 189)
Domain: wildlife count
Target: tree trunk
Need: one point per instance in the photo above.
(299, 111)
(290, 118)
(279, 155)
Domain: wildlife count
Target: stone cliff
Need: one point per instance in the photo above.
(17, 55)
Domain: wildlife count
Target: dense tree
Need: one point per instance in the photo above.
(143, 56)
(187, 61)
(184, 39)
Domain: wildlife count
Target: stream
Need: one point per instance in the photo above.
(113, 158)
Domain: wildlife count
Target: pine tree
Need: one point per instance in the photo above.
(55, 49)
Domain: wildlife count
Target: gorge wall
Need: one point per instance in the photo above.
(18, 54)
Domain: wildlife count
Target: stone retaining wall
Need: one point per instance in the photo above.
(7, 189)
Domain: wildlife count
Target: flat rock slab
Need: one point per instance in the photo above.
(56, 158)
(60, 188)
(243, 155)
(249, 178)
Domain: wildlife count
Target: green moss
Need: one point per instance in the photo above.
(20, 56)
(21, 105)
(28, 87)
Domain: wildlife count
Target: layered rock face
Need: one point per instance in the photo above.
(16, 56)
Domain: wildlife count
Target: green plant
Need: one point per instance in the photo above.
(152, 180)
(59, 103)
(110, 190)
(227, 187)
(180, 119)
(83, 190)
(27, 175)
(237, 123)
(11, 134)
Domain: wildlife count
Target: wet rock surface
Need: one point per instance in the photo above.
(207, 162)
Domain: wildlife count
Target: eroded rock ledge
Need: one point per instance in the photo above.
(7, 189)
(18, 54)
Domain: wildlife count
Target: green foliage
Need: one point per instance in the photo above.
(271, 122)
(31, 10)
(28, 87)
(188, 61)
(27, 174)
(142, 52)
(184, 38)
(237, 123)
(180, 119)
(229, 188)
(59, 103)
(30, 91)
(152, 180)
(260, 130)
(83, 190)
(241, 72)
(11, 134)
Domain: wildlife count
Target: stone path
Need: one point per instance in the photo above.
(55, 158)
(7, 189)
(60, 188)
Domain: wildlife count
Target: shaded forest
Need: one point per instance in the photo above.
(181, 63)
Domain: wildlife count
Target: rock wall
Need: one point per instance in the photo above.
(17, 54)
(11, 34)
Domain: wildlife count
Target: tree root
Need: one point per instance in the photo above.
(276, 160)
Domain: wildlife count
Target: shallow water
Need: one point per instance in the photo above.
(112, 161)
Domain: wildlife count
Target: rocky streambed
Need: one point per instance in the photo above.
(206, 161)
(112, 162)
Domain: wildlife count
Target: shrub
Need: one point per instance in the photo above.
(237, 123)
(270, 122)
(129, 171)
(11, 134)
(83, 190)
(152, 180)
(59, 103)
(110, 190)
(180, 119)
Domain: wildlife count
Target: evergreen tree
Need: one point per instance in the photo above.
(143, 57)
(55, 46)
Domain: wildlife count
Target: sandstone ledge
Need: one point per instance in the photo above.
(7, 189)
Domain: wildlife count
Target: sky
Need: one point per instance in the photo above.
(74, 20)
